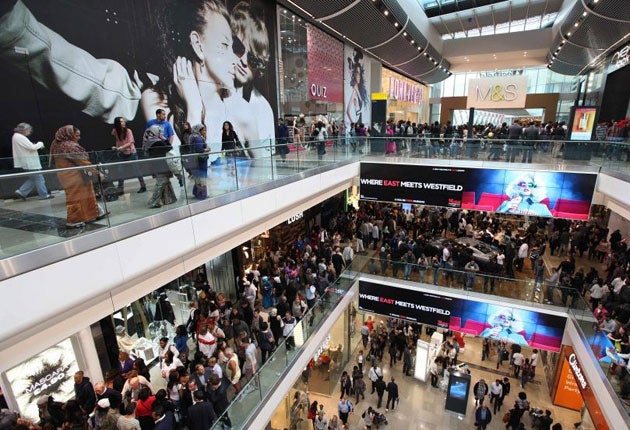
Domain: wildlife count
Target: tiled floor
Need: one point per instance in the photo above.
(422, 407)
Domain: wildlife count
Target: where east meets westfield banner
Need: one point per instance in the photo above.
(411, 305)
(438, 186)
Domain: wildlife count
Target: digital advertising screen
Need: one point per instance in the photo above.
(405, 304)
(494, 321)
(50, 373)
(457, 393)
(519, 192)
(582, 123)
(509, 324)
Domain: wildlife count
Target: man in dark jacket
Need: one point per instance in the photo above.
(392, 394)
(84, 393)
(102, 392)
(201, 414)
(217, 394)
(380, 390)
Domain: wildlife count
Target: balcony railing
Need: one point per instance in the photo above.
(37, 223)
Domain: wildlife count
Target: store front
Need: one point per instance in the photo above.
(311, 74)
(321, 377)
(138, 327)
(407, 99)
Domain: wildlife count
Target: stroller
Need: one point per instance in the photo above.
(379, 419)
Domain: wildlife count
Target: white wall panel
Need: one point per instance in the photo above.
(69, 295)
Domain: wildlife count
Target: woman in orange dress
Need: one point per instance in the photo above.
(66, 152)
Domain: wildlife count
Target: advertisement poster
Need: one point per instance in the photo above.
(50, 373)
(567, 392)
(519, 192)
(498, 322)
(325, 66)
(406, 304)
(457, 393)
(583, 123)
(85, 63)
(356, 87)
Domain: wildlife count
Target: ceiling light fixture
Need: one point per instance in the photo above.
(577, 24)
(404, 33)
(584, 13)
(568, 34)
(386, 12)
(413, 41)
(395, 24)
(419, 48)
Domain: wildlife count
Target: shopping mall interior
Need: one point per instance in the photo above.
(340, 214)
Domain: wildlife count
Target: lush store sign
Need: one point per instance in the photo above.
(498, 92)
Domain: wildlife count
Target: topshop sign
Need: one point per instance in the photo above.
(404, 91)
(497, 92)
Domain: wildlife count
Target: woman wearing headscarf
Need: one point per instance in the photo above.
(156, 146)
(199, 146)
(65, 151)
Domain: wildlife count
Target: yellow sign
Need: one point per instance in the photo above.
(379, 96)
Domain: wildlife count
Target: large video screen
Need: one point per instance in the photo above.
(495, 321)
(521, 192)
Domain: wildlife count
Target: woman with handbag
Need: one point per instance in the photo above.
(199, 146)
(231, 146)
(65, 152)
(157, 147)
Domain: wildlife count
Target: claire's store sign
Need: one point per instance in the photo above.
(577, 371)
(621, 58)
(497, 92)
(404, 91)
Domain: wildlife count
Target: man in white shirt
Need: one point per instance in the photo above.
(26, 158)
(496, 393)
(375, 235)
(374, 373)
(523, 250)
(518, 358)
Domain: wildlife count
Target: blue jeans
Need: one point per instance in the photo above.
(35, 180)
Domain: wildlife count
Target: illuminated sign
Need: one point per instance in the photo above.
(497, 73)
(50, 373)
(497, 92)
(404, 91)
(577, 371)
(621, 57)
(295, 218)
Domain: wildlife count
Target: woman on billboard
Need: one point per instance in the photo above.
(505, 327)
(525, 196)
(358, 96)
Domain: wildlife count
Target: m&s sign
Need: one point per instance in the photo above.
(497, 92)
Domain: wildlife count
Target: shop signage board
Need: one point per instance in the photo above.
(497, 92)
(621, 58)
(588, 396)
(324, 59)
(567, 392)
(520, 192)
(526, 327)
(50, 373)
(400, 88)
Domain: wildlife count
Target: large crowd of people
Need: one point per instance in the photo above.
(224, 342)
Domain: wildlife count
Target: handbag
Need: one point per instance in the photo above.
(506, 417)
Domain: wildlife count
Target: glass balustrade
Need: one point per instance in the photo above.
(32, 224)
(261, 385)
